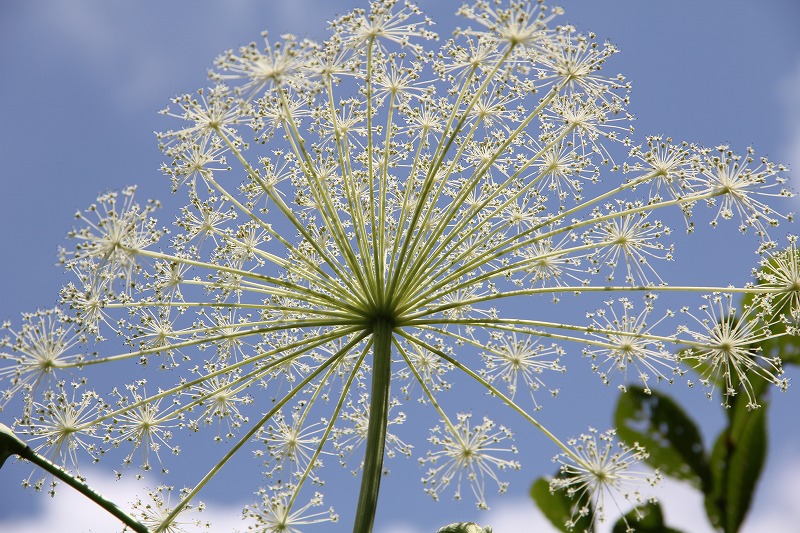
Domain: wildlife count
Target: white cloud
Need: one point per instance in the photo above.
(71, 512)
(521, 515)
(683, 508)
(781, 500)
(509, 516)
(401, 528)
(682, 505)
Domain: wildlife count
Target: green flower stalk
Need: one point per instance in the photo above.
(369, 217)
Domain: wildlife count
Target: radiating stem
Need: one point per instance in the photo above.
(10, 444)
(376, 430)
(253, 430)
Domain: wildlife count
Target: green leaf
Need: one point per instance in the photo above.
(672, 439)
(736, 462)
(560, 508)
(644, 519)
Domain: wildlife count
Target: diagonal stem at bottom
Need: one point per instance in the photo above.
(10, 444)
(376, 430)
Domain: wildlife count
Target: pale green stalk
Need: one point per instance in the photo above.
(398, 260)
(331, 423)
(290, 216)
(376, 430)
(492, 389)
(302, 346)
(353, 201)
(247, 436)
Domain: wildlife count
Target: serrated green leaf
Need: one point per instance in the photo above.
(559, 508)
(644, 519)
(672, 439)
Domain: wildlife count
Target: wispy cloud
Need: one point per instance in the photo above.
(137, 53)
(789, 93)
(110, 45)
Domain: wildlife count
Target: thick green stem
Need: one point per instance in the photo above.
(10, 444)
(376, 430)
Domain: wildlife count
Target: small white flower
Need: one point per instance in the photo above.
(279, 63)
(142, 425)
(112, 238)
(219, 402)
(520, 361)
(384, 22)
(740, 187)
(213, 112)
(519, 24)
(634, 241)
(290, 445)
(351, 438)
(672, 166)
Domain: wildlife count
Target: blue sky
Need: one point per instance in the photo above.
(82, 82)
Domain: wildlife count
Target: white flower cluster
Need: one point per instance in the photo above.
(361, 212)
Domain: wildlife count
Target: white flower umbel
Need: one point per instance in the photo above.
(144, 427)
(599, 468)
(728, 352)
(624, 343)
(290, 446)
(465, 452)
(780, 272)
(277, 512)
(371, 218)
(36, 354)
(157, 507)
(519, 361)
(64, 422)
